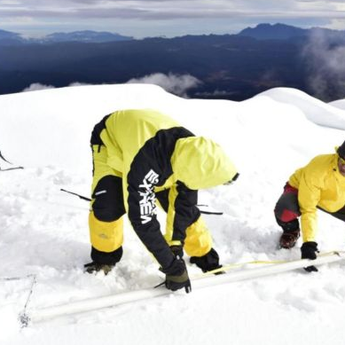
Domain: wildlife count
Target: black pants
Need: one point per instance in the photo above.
(287, 210)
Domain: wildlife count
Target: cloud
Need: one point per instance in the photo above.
(37, 87)
(215, 94)
(326, 65)
(144, 18)
(176, 84)
(169, 9)
(77, 83)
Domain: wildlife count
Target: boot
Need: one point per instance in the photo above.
(289, 238)
(103, 261)
(94, 267)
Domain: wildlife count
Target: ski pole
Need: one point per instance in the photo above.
(211, 212)
(78, 195)
(5, 160)
(14, 168)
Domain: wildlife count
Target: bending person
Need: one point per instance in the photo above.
(140, 157)
(318, 185)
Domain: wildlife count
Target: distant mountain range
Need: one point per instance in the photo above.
(7, 37)
(261, 32)
(87, 36)
(285, 32)
(232, 67)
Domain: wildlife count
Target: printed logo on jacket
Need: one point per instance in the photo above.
(147, 197)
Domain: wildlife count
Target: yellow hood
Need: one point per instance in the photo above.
(201, 163)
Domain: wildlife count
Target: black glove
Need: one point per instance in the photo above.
(177, 276)
(93, 267)
(207, 262)
(177, 251)
(309, 250)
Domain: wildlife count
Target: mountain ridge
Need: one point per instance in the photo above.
(87, 36)
(261, 31)
(281, 31)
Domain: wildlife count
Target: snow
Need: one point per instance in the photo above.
(44, 231)
(338, 104)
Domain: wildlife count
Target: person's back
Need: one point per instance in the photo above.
(130, 129)
(319, 184)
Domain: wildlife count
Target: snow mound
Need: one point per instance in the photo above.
(315, 110)
(338, 104)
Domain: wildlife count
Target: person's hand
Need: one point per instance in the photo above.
(177, 276)
(309, 250)
(177, 250)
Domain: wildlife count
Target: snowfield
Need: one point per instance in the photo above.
(44, 232)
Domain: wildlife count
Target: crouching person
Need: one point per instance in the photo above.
(318, 185)
(140, 157)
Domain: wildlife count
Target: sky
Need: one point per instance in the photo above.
(147, 18)
(44, 232)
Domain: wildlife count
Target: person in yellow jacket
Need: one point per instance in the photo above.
(318, 185)
(140, 157)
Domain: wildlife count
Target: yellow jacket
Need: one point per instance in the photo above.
(152, 152)
(319, 184)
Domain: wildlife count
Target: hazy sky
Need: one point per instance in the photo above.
(165, 17)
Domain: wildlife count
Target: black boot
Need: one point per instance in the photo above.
(102, 261)
(94, 267)
(289, 238)
(291, 233)
(207, 262)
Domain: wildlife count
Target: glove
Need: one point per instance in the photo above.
(177, 276)
(93, 267)
(207, 262)
(177, 251)
(309, 250)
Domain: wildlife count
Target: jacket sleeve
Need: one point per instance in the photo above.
(182, 211)
(308, 199)
(142, 213)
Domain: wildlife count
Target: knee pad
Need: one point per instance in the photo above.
(108, 202)
(287, 208)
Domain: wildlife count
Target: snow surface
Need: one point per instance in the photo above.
(338, 104)
(44, 231)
